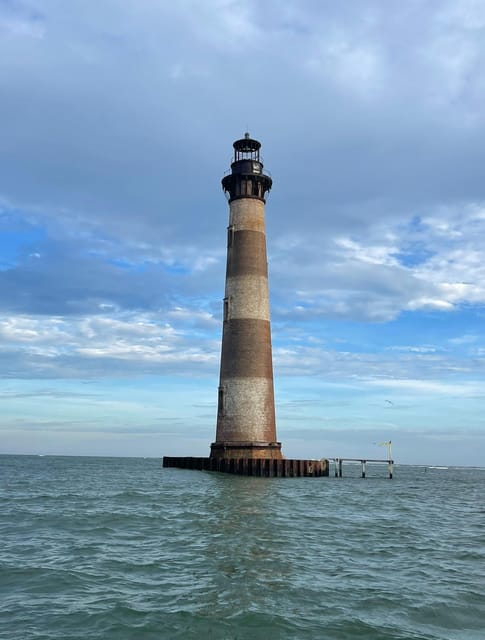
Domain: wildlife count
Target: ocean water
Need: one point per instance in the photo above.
(119, 548)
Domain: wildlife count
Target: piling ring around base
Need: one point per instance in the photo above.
(259, 467)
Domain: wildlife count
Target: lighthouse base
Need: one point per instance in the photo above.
(250, 450)
(259, 467)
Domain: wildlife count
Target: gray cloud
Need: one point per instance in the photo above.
(378, 93)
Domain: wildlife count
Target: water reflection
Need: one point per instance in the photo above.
(247, 543)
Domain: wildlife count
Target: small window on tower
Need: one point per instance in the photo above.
(220, 403)
(230, 236)
(226, 309)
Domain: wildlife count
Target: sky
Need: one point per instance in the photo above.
(117, 122)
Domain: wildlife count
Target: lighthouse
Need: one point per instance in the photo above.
(246, 426)
(246, 442)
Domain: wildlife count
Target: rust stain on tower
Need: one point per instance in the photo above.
(246, 426)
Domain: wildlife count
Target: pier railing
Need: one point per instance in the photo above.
(338, 465)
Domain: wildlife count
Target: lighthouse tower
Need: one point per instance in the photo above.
(246, 425)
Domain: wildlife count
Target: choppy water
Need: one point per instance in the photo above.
(113, 548)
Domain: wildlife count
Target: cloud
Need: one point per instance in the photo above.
(376, 281)
(424, 387)
(415, 349)
(93, 346)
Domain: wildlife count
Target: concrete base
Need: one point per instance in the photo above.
(262, 467)
(252, 450)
